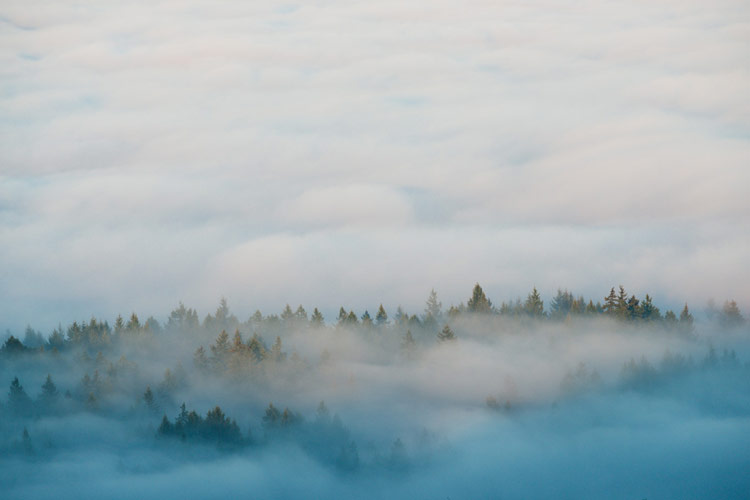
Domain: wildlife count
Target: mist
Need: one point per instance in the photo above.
(472, 401)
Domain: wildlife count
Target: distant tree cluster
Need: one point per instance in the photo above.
(235, 354)
(324, 437)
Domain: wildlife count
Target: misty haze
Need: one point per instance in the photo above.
(378, 250)
(579, 399)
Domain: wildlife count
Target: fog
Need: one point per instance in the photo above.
(511, 402)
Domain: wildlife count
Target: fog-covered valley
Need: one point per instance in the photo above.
(571, 400)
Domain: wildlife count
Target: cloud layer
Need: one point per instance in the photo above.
(159, 151)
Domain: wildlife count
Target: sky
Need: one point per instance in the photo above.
(347, 153)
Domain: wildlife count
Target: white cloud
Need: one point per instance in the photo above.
(177, 120)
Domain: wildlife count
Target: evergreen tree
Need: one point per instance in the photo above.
(632, 309)
(649, 312)
(610, 303)
(686, 320)
(591, 309)
(381, 318)
(670, 320)
(18, 401)
(56, 339)
(237, 345)
(119, 325)
(49, 395)
(479, 303)
(221, 347)
(366, 319)
(287, 315)
(13, 346)
(351, 318)
(317, 319)
(562, 304)
(534, 305)
(257, 347)
(621, 310)
(300, 314)
(446, 334)
(433, 310)
(148, 399)
(730, 315)
(342, 316)
(134, 325)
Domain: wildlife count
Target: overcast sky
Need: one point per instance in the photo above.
(350, 153)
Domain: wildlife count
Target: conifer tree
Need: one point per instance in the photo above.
(621, 310)
(300, 314)
(534, 305)
(366, 319)
(342, 316)
(433, 310)
(648, 311)
(257, 347)
(730, 315)
(287, 314)
(351, 318)
(134, 325)
(562, 304)
(446, 334)
(686, 320)
(381, 318)
(610, 303)
(317, 319)
(18, 401)
(479, 303)
(632, 309)
(49, 395)
(148, 399)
